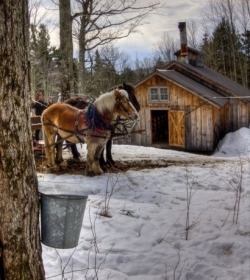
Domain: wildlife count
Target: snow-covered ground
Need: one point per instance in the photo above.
(149, 233)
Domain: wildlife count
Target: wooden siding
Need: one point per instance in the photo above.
(235, 114)
(202, 125)
(194, 132)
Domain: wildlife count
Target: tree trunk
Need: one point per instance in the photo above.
(66, 49)
(19, 200)
(84, 21)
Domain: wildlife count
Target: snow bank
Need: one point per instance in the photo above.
(235, 144)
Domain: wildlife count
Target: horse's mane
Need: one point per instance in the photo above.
(107, 101)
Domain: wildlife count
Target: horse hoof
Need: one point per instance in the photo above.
(91, 173)
(63, 165)
(111, 162)
(53, 169)
(79, 159)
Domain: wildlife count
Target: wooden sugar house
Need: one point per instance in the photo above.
(187, 105)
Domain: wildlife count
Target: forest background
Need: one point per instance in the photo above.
(89, 60)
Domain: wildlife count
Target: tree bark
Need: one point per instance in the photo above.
(19, 199)
(66, 49)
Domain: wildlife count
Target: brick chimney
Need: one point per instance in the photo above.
(183, 40)
(187, 54)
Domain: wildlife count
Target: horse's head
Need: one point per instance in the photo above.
(131, 95)
(124, 107)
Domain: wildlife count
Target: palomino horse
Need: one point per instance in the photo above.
(92, 125)
(82, 103)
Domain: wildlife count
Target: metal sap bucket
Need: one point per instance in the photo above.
(61, 220)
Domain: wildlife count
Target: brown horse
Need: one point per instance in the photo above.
(83, 102)
(92, 125)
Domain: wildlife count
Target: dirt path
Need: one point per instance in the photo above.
(75, 167)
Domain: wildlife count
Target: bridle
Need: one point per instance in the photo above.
(123, 100)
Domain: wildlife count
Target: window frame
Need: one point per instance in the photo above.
(158, 94)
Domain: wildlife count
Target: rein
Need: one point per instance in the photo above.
(76, 132)
(122, 126)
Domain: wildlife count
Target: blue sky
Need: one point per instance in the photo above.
(142, 43)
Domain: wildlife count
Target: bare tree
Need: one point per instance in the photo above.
(165, 48)
(192, 34)
(35, 14)
(95, 23)
(103, 21)
(19, 203)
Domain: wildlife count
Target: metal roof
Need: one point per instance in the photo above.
(196, 88)
(230, 87)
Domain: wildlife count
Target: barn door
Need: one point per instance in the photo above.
(176, 128)
(159, 122)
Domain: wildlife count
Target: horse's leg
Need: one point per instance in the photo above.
(93, 156)
(109, 158)
(49, 144)
(102, 160)
(74, 151)
(59, 149)
(96, 164)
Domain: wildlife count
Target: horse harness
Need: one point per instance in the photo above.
(78, 133)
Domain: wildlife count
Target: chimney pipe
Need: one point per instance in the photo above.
(183, 39)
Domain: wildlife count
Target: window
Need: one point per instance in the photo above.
(158, 94)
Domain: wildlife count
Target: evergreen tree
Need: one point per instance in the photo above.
(223, 51)
(44, 61)
(159, 64)
(103, 76)
(222, 48)
(245, 55)
(207, 49)
(128, 75)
